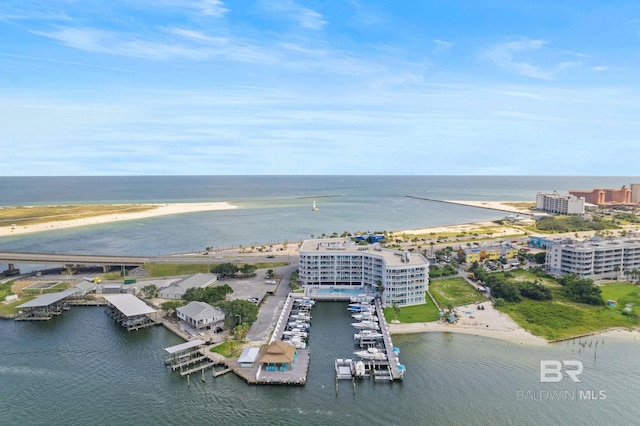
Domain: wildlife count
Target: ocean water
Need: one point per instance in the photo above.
(271, 208)
(80, 368)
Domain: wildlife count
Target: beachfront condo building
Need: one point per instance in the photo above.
(605, 197)
(339, 268)
(560, 204)
(596, 258)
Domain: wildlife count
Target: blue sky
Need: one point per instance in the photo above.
(174, 87)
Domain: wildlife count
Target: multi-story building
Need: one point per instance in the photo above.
(561, 204)
(332, 268)
(595, 258)
(605, 197)
(480, 254)
(635, 193)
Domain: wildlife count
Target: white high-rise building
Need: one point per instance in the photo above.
(595, 258)
(561, 204)
(330, 268)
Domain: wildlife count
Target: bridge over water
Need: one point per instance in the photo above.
(70, 261)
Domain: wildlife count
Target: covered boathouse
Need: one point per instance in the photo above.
(44, 307)
(130, 312)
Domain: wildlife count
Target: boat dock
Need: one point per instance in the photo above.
(379, 359)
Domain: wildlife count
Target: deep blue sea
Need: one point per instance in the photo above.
(81, 369)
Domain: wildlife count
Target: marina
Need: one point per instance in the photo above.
(377, 357)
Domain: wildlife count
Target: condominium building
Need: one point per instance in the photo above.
(561, 204)
(332, 267)
(595, 258)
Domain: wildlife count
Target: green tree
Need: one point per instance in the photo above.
(193, 294)
(170, 307)
(225, 270)
(248, 269)
(150, 291)
(396, 310)
(240, 331)
(237, 311)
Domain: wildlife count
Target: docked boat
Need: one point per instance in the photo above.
(373, 354)
(367, 334)
(361, 298)
(304, 302)
(366, 325)
(364, 316)
(360, 369)
(301, 316)
(296, 341)
(360, 307)
(295, 332)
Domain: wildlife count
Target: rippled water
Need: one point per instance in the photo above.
(81, 368)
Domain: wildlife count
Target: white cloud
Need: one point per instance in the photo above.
(506, 56)
(291, 10)
(441, 46)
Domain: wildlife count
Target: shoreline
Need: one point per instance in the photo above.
(155, 210)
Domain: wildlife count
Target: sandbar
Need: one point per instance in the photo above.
(154, 211)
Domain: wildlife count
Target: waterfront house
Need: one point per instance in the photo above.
(201, 316)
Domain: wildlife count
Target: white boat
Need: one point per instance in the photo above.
(360, 369)
(361, 298)
(371, 354)
(367, 334)
(359, 307)
(314, 208)
(363, 325)
(304, 301)
(296, 341)
(295, 332)
(364, 316)
(301, 316)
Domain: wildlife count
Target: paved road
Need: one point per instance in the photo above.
(272, 306)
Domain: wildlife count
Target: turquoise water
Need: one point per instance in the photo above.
(340, 291)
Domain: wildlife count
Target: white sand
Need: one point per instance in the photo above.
(160, 210)
(487, 323)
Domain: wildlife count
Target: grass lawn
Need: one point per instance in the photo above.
(5, 289)
(55, 289)
(417, 313)
(7, 309)
(624, 293)
(169, 270)
(229, 349)
(560, 320)
(522, 275)
(454, 291)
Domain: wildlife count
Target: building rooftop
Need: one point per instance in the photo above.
(337, 245)
(128, 304)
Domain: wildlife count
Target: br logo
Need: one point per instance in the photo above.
(551, 371)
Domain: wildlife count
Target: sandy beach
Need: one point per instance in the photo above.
(155, 210)
(487, 323)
